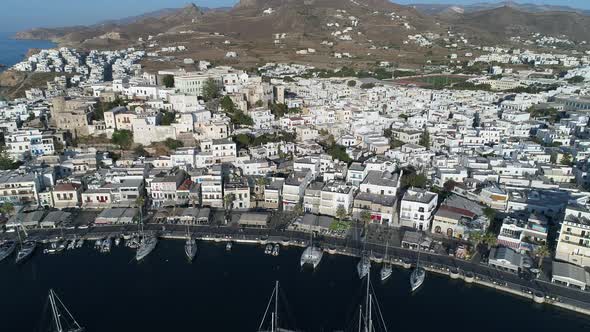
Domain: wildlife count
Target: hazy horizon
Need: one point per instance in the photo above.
(26, 14)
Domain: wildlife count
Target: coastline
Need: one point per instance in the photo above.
(454, 269)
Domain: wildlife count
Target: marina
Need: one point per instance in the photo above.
(334, 284)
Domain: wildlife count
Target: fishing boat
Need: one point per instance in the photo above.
(61, 318)
(386, 269)
(6, 249)
(190, 249)
(27, 249)
(418, 274)
(271, 323)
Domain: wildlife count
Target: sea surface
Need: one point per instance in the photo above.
(13, 51)
(223, 291)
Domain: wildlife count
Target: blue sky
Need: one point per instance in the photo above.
(17, 15)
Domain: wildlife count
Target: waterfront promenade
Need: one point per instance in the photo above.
(472, 272)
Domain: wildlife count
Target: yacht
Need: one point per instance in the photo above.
(311, 256)
(364, 266)
(117, 241)
(26, 251)
(275, 250)
(417, 278)
(146, 246)
(71, 244)
(418, 275)
(386, 269)
(228, 246)
(190, 249)
(80, 243)
(6, 249)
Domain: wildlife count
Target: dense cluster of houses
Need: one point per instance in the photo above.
(353, 153)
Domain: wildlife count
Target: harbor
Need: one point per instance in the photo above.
(274, 243)
(237, 283)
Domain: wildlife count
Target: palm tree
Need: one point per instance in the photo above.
(365, 217)
(542, 251)
(490, 239)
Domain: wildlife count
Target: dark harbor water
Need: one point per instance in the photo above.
(223, 291)
(13, 51)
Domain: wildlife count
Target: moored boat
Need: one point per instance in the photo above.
(6, 249)
(26, 251)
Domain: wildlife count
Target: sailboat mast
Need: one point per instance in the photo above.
(272, 322)
(54, 311)
(370, 319)
(367, 300)
(276, 315)
(360, 317)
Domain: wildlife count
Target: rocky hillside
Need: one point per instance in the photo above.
(507, 21)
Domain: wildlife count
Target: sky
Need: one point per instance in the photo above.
(16, 15)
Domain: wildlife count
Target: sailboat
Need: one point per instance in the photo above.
(364, 265)
(366, 322)
(274, 315)
(418, 275)
(386, 269)
(312, 255)
(26, 249)
(190, 246)
(148, 242)
(62, 319)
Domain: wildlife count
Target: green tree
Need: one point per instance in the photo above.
(173, 144)
(425, 139)
(542, 251)
(210, 89)
(241, 118)
(259, 103)
(476, 238)
(566, 159)
(489, 213)
(298, 209)
(351, 83)
(365, 217)
(576, 79)
(6, 162)
(168, 118)
(341, 212)
(168, 81)
(417, 180)
(367, 85)
(489, 239)
(7, 208)
(227, 104)
(123, 138)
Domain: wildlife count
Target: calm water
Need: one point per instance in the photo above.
(229, 292)
(13, 51)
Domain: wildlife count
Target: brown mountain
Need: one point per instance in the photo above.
(247, 20)
(501, 23)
